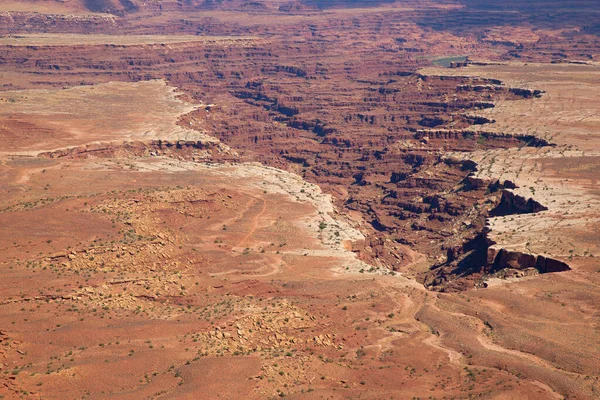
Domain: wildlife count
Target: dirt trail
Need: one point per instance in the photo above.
(255, 222)
(488, 344)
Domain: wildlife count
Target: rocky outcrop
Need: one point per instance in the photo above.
(500, 258)
(467, 263)
(480, 136)
(546, 264)
(527, 93)
(511, 204)
(193, 150)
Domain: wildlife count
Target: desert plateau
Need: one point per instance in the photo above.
(312, 199)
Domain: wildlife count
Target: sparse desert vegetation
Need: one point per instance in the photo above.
(313, 199)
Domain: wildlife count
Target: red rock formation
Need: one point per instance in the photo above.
(354, 117)
(192, 150)
(499, 258)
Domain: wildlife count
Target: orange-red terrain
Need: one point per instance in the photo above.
(304, 199)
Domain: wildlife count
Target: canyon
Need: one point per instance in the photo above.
(312, 199)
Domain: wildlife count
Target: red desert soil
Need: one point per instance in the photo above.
(312, 199)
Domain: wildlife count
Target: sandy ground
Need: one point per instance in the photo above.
(170, 278)
(112, 112)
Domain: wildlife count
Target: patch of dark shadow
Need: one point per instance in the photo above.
(471, 182)
(359, 179)
(593, 29)
(398, 177)
(481, 14)
(530, 6)
(128, 5)
(208, 4)
(414, 160)
(398, 73)
(347, 143)
(465, 20)
(432, 122)
(299, 72)
(474, 256)
(326, 4)
(98, 5)
(465, 165)
(527, 93)
(486, 139)
(316, 127)
(475, 120)
(296, 159)
(378, 226)
(285, 110)
(511, 204)
(528, 140)
(257, 98)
